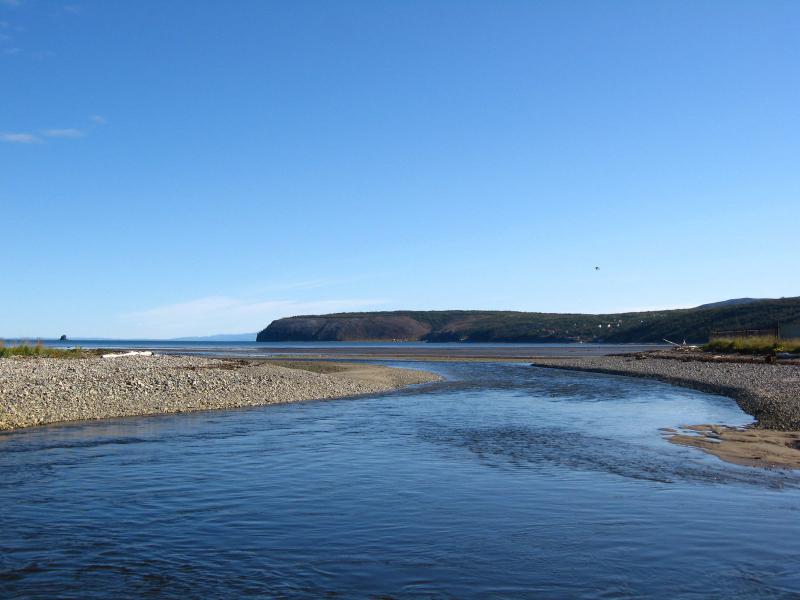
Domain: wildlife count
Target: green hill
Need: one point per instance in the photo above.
(691, 324)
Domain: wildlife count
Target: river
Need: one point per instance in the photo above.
(503, 481)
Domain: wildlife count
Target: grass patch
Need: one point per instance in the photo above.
(753, 345)
(39, 350)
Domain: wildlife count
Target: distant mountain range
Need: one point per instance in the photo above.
(691, 324)
(222, 337)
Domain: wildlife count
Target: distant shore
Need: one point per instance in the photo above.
(768, 392)
(41, 391)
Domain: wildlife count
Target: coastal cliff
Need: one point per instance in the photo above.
(691, 324)
(336, 328)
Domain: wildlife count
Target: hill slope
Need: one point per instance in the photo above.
(731, 302)
(692, 324)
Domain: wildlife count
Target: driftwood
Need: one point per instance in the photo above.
(684, 346)
(132, 353)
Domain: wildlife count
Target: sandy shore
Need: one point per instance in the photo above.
(768, 392)
(743, 446)
(40, 391)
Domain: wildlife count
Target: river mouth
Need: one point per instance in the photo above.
(502, 481)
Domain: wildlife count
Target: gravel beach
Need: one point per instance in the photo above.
(38, 391)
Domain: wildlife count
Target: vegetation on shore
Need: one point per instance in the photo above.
(691, 324)
(753, 345)
(40, 350)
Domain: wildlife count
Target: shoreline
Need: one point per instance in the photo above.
(770, 393)
(45, 391)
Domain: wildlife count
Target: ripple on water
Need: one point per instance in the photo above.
(545, 447)
(504, 481)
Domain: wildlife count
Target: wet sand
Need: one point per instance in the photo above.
(743, 446)
(433, 352)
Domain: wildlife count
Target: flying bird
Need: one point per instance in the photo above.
(597, 268)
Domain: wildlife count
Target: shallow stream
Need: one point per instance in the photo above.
(504, 481)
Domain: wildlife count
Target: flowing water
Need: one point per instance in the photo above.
(504, 481)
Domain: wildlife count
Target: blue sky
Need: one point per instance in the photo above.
(189, 167)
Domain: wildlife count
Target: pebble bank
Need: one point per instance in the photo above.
(38, 391)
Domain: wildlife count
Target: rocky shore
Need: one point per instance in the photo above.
(770, 392)
(38, 391)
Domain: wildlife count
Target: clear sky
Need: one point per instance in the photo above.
(195, 167)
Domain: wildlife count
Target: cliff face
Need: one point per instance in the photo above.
(327, 329)
(693, 325)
